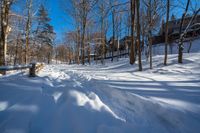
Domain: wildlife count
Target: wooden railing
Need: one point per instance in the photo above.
(33, 68)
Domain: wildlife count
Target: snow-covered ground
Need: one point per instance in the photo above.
(192, 46)
(113, 98)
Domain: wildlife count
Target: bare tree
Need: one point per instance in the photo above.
(5, 29)
(153, 12)
(180, 45)
(28, 26)
(166, 32)
(150, 31)
(138, 35)
(16, 22)
(80, 13)
(103, 11)
(132, 52)
(85, 8)
(113, 39)
(71, 8)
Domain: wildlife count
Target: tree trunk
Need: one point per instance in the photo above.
(102, 41)
(138, 36)
(89, 51)
(83, 43)
(190, 46)
(5, 29)
(28, 26)
(132, 52)
(113, 44)
(150, 50)
(84, 22)
(78, 46)
(16, 49)
(150, 34)
(166, 33)
(180, 46)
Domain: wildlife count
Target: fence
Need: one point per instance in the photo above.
(33, 68)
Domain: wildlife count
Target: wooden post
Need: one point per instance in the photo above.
(3, 72)
(32, 70)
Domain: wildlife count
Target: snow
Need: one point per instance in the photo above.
(158, 49)
(110, 98)
(3, 106)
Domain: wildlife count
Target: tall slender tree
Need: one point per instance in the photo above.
(113, 30)
(132, 52)
(138, 35)
(5, 29)
(103, 9)
(180, 45)
(28, 26)
(166, 32)
(154, 9)
(149, 10)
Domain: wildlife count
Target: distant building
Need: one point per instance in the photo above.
(125, 42)
(112, 44)
(173, 28)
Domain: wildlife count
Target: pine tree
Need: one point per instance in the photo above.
(45, 34)
(173, 17)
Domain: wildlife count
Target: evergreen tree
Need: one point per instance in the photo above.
(45, 32)
(45, 35)
(173, 17)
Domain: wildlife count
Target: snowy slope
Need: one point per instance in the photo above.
(113, 98)
(159, 49)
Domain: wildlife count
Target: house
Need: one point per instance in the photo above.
(125, 42)
(174, 27)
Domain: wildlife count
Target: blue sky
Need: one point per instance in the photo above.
(59, 19)
(62, 22)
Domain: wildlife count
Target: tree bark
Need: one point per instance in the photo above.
(132, 52)
(166, 32)
(83, 43)
(138, 36)
(89, 51)
(150, 34)
(180, 46)
(150, 50)
(78, 46)
(28, 26)
(113, 43)
(5, 29)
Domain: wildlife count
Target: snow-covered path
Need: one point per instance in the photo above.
(105, 99)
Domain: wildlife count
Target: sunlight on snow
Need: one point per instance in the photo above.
(142, 88)
(56, 96)
(29, 108)
(3, 106)
(92, 101)
(181, 104)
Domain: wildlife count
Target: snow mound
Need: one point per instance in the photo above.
(93, 102)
